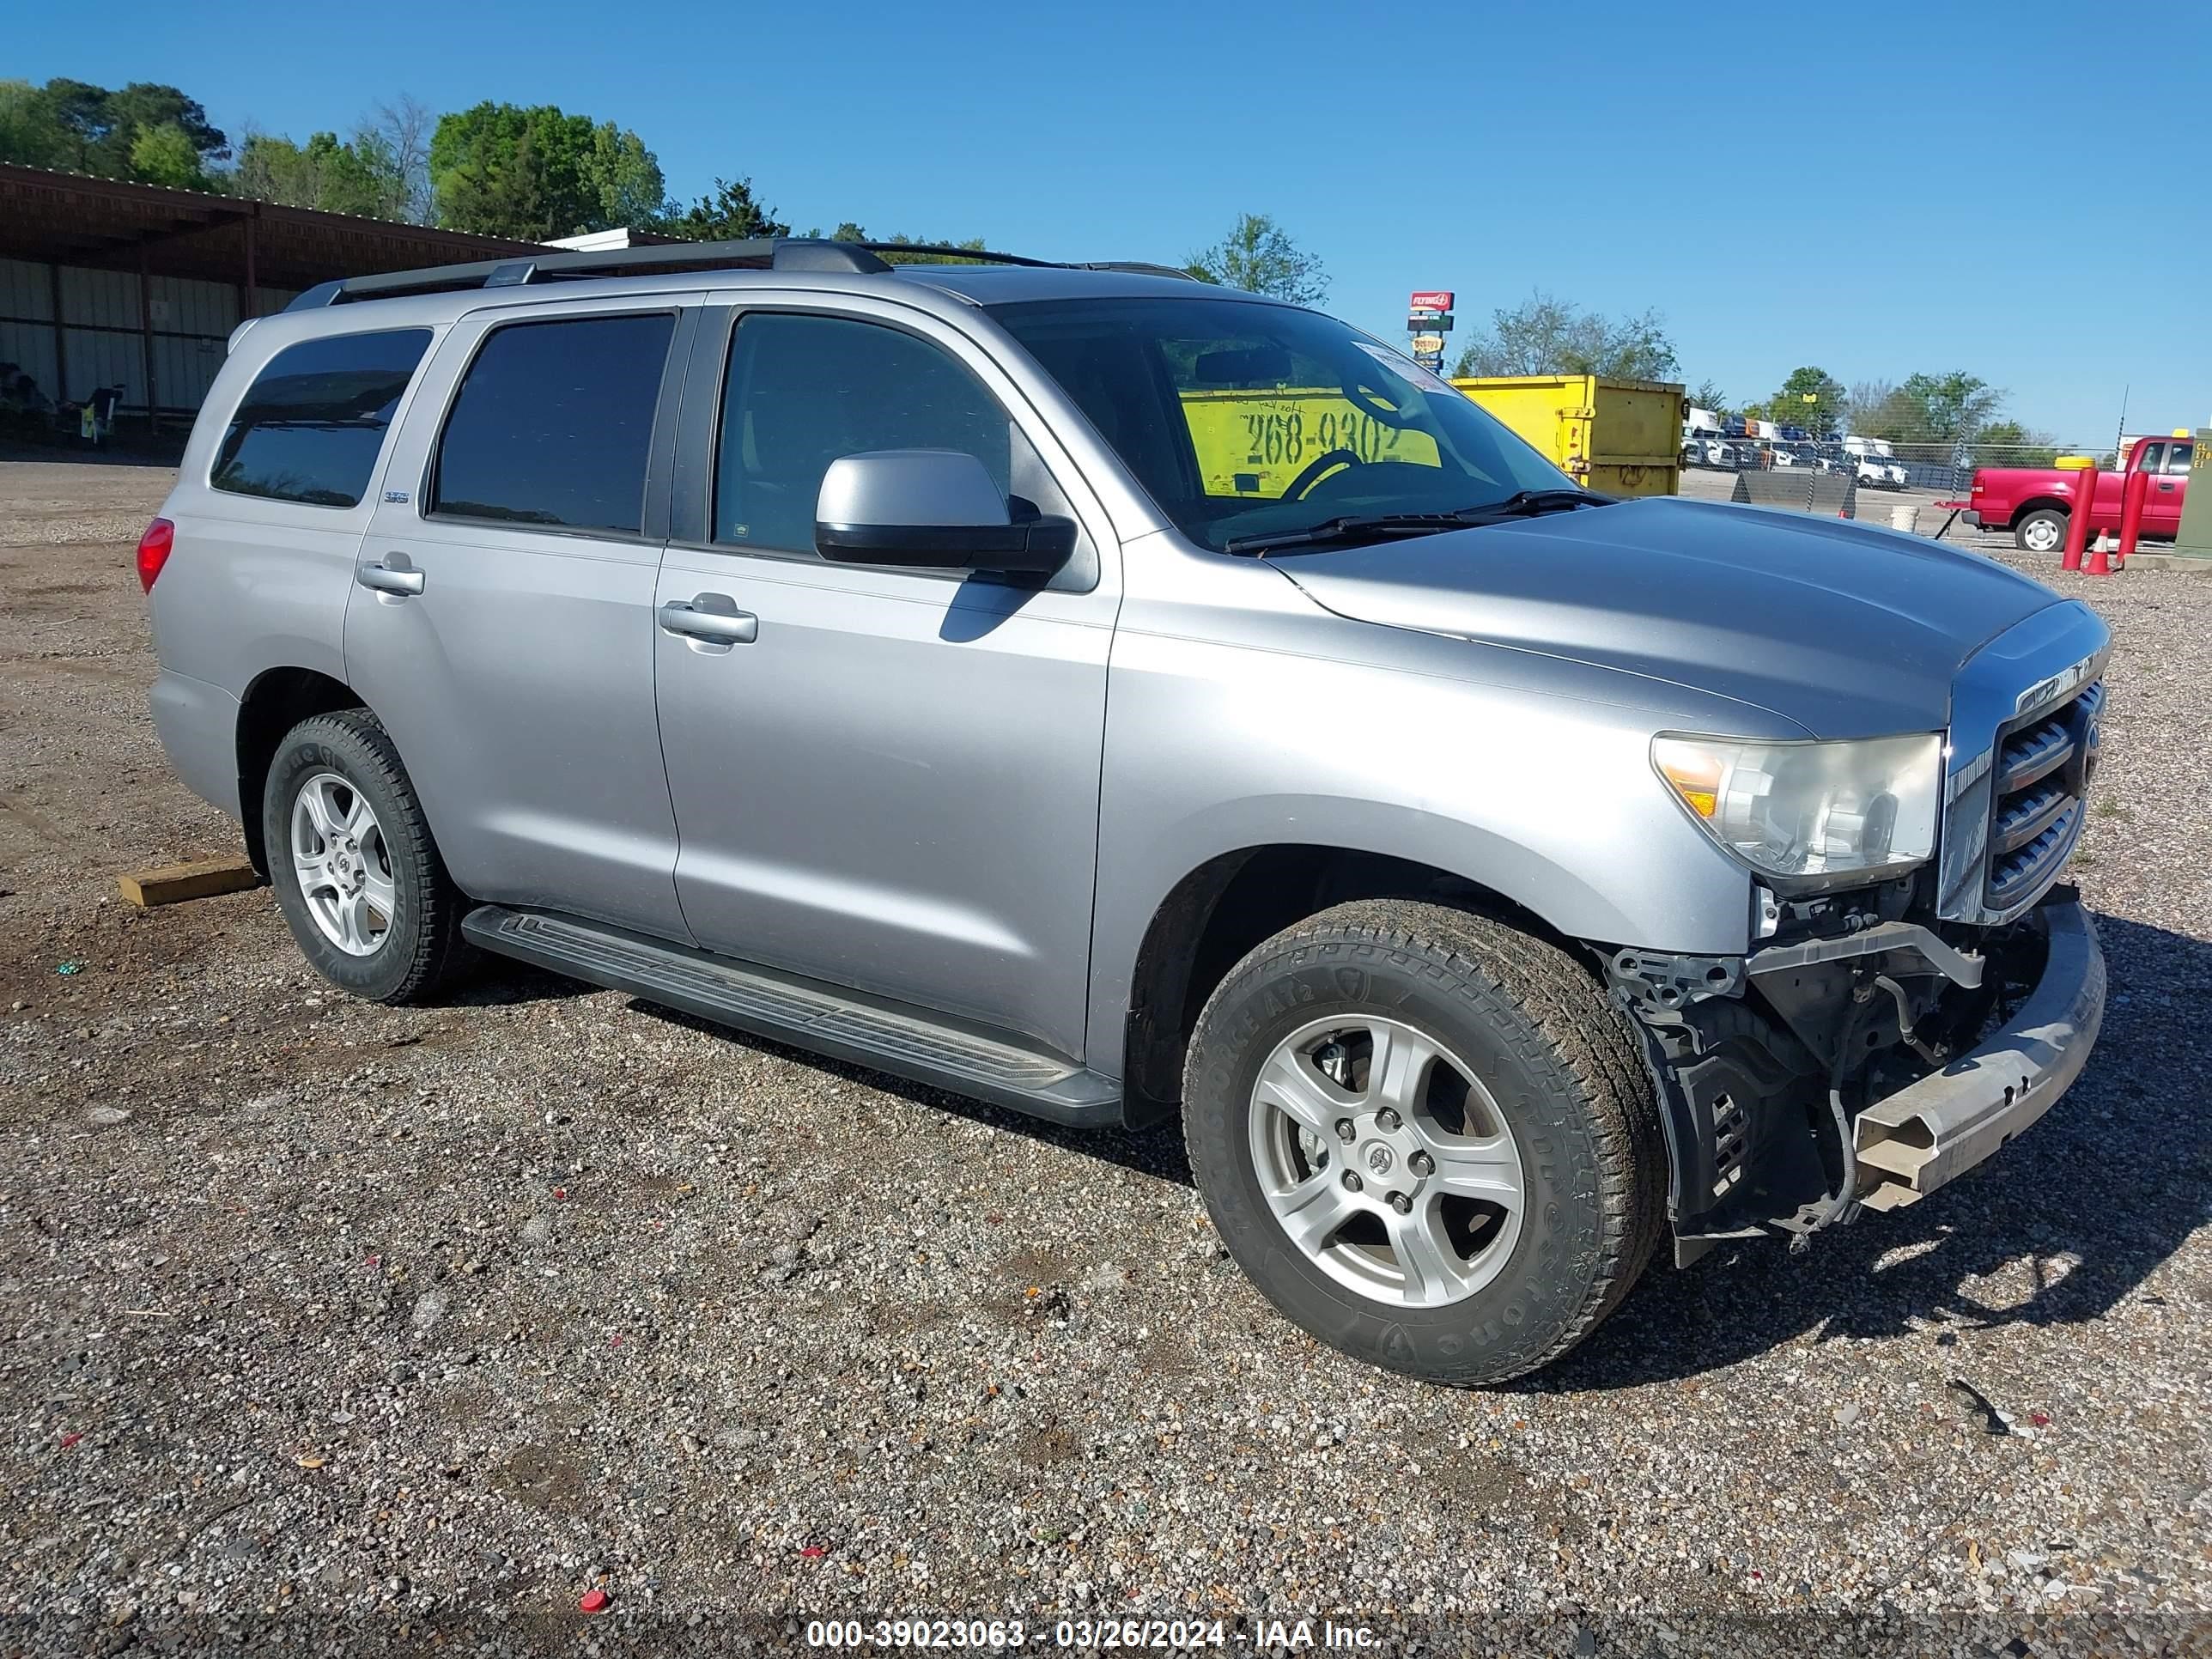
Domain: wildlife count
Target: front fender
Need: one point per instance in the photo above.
(1549, 801)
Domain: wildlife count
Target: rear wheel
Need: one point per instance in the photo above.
(2043, 530)
(1427, 1137)
(356, 873)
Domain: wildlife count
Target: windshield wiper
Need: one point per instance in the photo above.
(1351, 526)
(1528, 503)
(1347, 527)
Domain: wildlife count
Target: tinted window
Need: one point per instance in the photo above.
(1247, 419)
(803, 390)
(553, 422)
(2179, 457)
(311, 424)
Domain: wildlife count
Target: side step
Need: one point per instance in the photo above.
(806, 1013)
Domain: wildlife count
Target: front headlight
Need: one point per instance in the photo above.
(1805, 812)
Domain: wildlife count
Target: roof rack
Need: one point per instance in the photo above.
(778, 253)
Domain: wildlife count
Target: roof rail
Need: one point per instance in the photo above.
(972, 255)
(779, 253)
(1139, 268)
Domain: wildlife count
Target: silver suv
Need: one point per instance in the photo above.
(1116, 698)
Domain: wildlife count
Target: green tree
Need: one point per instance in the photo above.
(1709, 396)
(503, 170)
(1928, 408)
(82, 128)
(623, 176)
(2008, 443)
(1810, 398)
(900, 240)
(86, 131)
(361, 176)
(164, 154)
(1544, 336)
(731, 214)
(1259, 255)
(143, 104)
(1863, 409)
(1951, 406)
(30, 137)
(510, 195)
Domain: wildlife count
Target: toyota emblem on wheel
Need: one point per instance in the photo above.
(1379, 1159)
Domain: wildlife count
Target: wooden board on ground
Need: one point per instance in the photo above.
(173, 884)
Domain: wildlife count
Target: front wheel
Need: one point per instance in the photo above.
(356, 873)
(1427, 1138)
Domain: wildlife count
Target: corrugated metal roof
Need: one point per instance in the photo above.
(65, 218)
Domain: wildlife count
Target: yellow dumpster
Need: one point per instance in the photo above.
(1618, 437)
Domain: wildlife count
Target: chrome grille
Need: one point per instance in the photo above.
(2042, 774)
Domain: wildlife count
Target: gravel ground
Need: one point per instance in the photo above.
(323, 1322)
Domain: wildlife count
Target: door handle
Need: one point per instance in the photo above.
(723, 627)
(386, 580)
(2167, 488)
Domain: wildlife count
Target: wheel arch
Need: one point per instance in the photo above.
(1219, 910)
(277, 700)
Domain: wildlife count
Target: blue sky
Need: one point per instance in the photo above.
(1996, 187)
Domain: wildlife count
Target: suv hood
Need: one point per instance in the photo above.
(1847, 630)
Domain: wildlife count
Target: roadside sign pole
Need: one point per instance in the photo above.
(1428, 319)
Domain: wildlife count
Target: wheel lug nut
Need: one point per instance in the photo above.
(1388, 1119)
(1400, 1203)
(1345, 1131)
(1424, 1164)
(1352, 1182)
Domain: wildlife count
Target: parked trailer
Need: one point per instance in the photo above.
(1618, 437)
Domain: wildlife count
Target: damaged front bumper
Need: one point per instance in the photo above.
(1930, 1132)
(1763, 1065)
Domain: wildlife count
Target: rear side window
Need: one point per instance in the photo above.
(2179, 457)
(553, 424)
(311, 425)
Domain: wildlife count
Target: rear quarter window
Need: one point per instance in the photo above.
(310, 426)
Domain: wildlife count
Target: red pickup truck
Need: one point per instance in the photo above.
(2033, 501)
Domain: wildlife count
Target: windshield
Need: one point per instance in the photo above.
(1245, 420)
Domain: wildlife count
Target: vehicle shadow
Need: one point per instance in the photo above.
(2080, 1211)
(68, 452)
(1157, 1151)
(2058, 1229)
(498, 980)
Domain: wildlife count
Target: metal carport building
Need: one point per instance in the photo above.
(106, 283)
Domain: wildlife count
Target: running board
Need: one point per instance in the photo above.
(806, 1013)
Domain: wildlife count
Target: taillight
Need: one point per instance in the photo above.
(153, 552)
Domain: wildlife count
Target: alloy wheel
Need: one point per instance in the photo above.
(343, 863)
(1385, 1161)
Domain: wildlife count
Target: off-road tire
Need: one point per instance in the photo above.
(2050, 515)
(1564, 1068)
(423, 949)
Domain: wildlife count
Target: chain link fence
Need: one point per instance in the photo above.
(1941, 466)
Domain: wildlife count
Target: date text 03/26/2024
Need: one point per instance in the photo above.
(1089, 1635)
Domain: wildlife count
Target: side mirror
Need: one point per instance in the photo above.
(931, 508)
